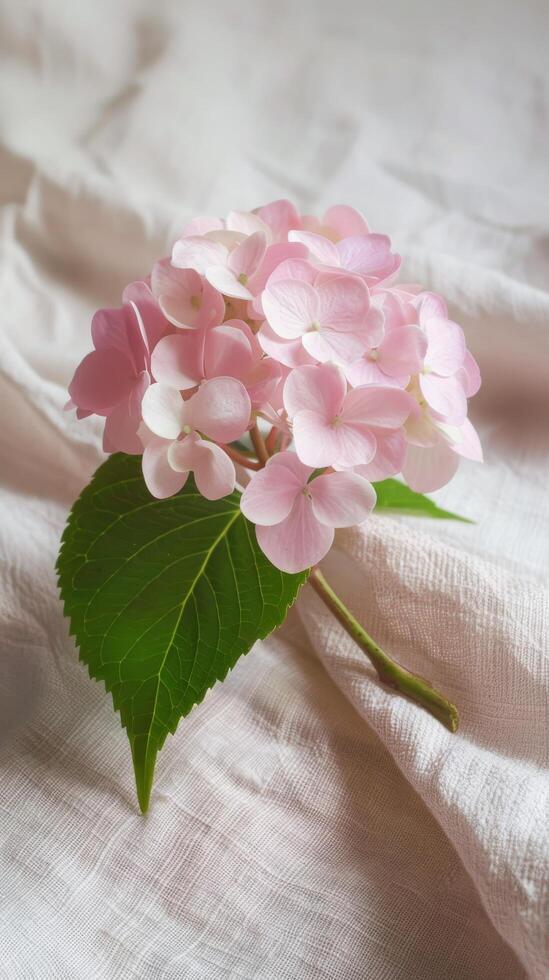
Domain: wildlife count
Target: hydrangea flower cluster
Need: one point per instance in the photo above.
(299, 322)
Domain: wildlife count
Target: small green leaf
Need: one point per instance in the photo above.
(394, 497)
(163, 597)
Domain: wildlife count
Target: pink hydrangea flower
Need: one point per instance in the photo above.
(442, 378)
(235, 265)
(397, 349)
(219, 410)
(186, 299)
(339, 221)
(230, 350)
(330, 313)
(369, 256)
(434, 448)
(289, 318)
(280, 217)
(334, 426)
(112, 380)
(295, 515)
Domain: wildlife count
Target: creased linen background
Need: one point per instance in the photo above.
(306, 823)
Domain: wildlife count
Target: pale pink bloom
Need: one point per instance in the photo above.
(167, 464)
(390, 455)
(339, 221)
(219, 410)
(330, 313)
(397, 350)
(368, 256)
(280, 217)
(229, 350)
(235, 265)
(112, 380)
(227, 269)
(444, 374)
(290, 353)
(469, 375)
(186, 298)
(434, 448)
(295, 515)
(334, 426)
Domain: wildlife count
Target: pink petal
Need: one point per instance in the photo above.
(151, 322)
(428, 469)
(445, 395)
(319, 443)
(161, 480)
(198, 253)
(430, 305)
(319, 388)
(421, 427)
(262, 382)
(178, 292)
(101, 380)
(320, 248)
(386, 406)
(288, 352)
(469, 375)
(228, 352)
(334, 345)
(273, 258)
(366, 371)
(214, 472)
(120, 433)
(220, 409)
(281, 216)
(247, 223)
(446, 350)
(164, 411)
(344, 221)
(297, 542)
(366, 255)
(390, 455)
(468, 443)
(294, 268)
(341, 499)
(402, 351)
(177, 360)
(247, 257)
(270, 494)
(291, 307)
(344, 302)
(225, 281)
(139, 388)
(110, 330)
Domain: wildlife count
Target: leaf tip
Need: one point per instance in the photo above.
(144, 761)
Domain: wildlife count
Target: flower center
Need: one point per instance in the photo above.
(243, 278)
(186, 430)
(315, 325)
(336, 421)
(306, 492)
(374, 354)
(195, 302)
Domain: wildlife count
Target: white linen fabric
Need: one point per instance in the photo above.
(306, 823)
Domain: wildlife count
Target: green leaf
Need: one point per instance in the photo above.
(163, 597)
(394, 497)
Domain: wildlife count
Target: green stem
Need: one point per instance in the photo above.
(389, 672)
